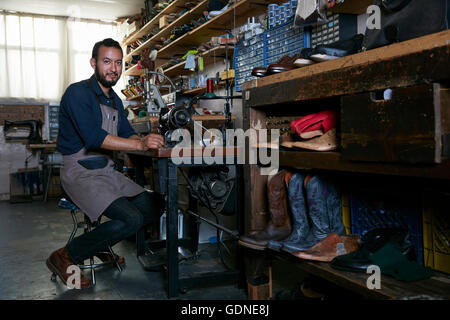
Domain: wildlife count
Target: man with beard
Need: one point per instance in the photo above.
(92, 123)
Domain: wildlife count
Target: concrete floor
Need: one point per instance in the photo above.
(29, 232)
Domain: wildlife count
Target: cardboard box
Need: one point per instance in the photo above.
(163, 21)
(227, 74)
(132, 28)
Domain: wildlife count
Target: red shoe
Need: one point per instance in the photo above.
(315, 124)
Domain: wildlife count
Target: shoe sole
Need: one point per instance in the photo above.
(251, 245)
(303, 62)
(258, 74)
(322, 57)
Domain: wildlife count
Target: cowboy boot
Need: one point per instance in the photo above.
(300, 227)
(330, 247)
(334, 209)
(325, 213)
(279, 225)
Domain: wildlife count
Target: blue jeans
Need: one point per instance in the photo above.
(127, 217)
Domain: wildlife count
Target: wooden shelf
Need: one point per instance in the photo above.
(165, 32)
(175, 6)
(437, 286)
(133, 71)
(404, 64)
(195, 91)
(234, 16)
(334, 161)
(201, 90)
(135, 98)
(209, 57)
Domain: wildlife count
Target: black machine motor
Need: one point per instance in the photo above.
(213, 187)
(171, 119)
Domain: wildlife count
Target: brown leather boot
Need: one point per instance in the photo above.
(279, 225)
(59, 261)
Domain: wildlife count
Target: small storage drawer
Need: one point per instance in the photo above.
(408, 127)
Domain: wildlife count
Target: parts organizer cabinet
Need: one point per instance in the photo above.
(398, 143)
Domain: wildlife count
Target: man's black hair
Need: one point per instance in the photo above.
(108, 42)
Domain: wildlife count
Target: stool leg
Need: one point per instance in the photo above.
(114, 259)
(87, 228)
(49, 168)
(92, 271)
(75, 226)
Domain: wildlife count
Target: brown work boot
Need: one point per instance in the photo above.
(279, 225)
(59, 261)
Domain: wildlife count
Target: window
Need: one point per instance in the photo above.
(40, 56)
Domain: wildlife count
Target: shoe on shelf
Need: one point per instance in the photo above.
(215, 13)
(325, 142)
(332, 246)
(259, 72)
(286, 63)
(279, 225)
(315, 124)
(341, 48)
(372, 242)
(304, 59)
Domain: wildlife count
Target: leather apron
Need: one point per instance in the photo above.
(89, 177)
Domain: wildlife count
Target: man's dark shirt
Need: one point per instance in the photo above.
(80, 118)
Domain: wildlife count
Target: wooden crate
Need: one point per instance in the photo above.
(407, 128)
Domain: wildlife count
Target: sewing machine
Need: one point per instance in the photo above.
(30, 130)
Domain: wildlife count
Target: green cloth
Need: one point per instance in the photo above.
(392, 262)
(194, 52)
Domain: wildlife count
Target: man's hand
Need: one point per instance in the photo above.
(153, 141)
